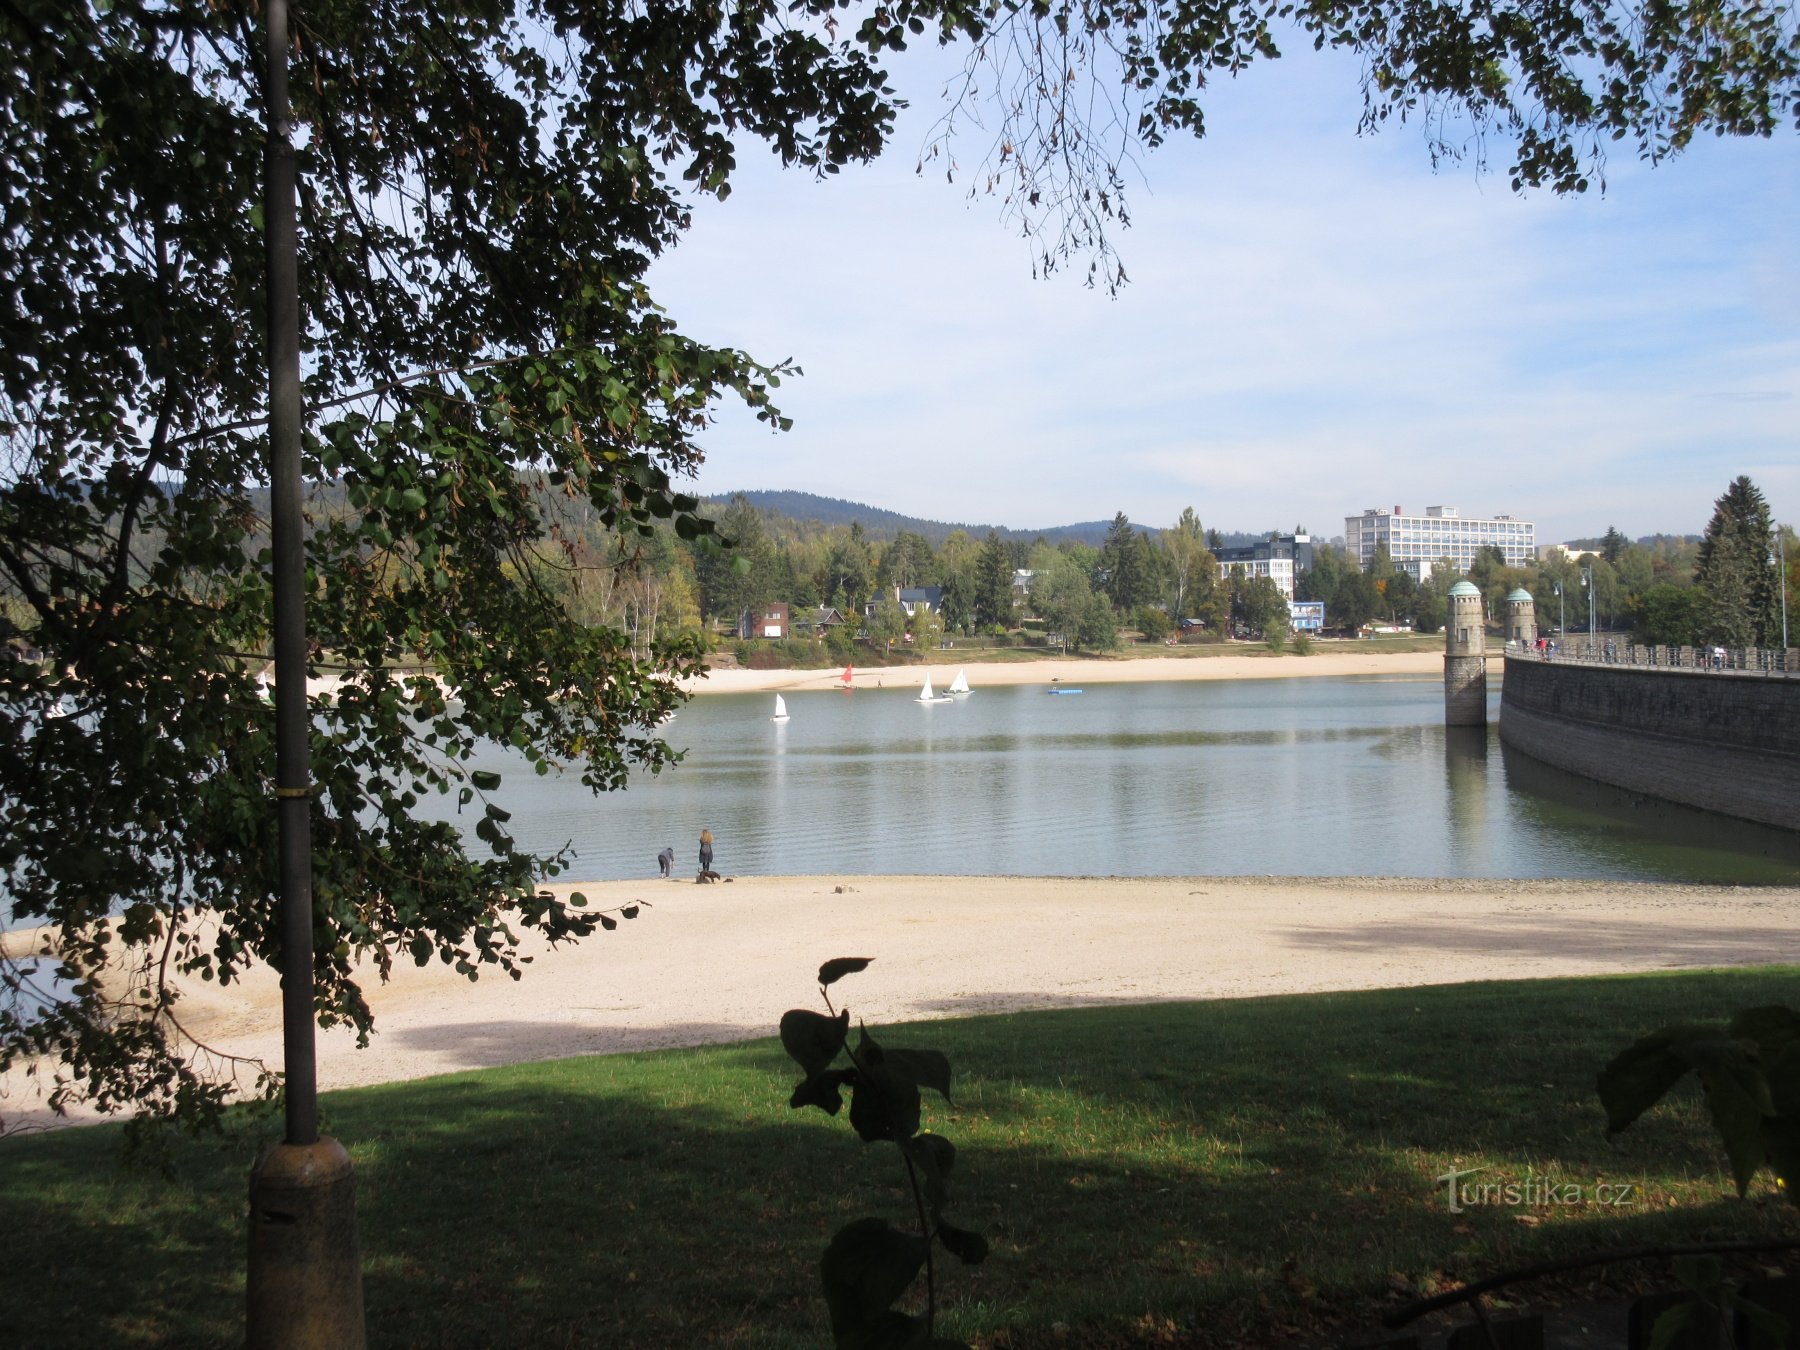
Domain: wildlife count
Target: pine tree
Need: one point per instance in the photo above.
(1735, 575)
(993, 583)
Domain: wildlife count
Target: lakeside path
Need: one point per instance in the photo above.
(709, 964)
(1263, 665)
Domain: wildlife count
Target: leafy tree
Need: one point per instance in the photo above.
(1261, 607)
(956, 574)
(1401, 596)
(1431, 603)
(1321, 580)
(1612, 545)
(1152, 623)
(1743, 606)
(1061, 596)
(483, 190)
(927, 627)
(1096, 626)
(1183, 546)
(1558, 84)
(886, 623)
(1357, 600)
(1669, 615)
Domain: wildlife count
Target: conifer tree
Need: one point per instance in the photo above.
(1735, 573)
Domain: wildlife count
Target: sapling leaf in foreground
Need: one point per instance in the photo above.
(1749, 1071)
(870, 1264)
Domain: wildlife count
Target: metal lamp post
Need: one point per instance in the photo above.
(1779, 560)
(304, 1278)
(1562, 617)
(1587, 584)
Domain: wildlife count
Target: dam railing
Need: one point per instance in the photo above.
(1605, 651)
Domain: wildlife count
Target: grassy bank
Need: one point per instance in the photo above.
(1144, 1172)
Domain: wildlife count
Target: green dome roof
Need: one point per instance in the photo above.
(1520, 593)
(1465, 587)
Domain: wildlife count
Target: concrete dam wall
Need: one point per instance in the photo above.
(1721, 740)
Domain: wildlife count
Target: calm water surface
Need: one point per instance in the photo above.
(1299, 777)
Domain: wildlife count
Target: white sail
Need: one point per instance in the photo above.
(960, 685)
(928, 694)
(781, 712)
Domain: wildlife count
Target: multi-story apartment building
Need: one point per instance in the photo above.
(1415, 543)
(1281, 559)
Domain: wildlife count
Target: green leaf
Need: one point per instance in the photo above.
(1775, 1028)
(868, 1265)
(1781, 1144)
(926, 1068)
(812, 1039)
(934, 1156)
(1738, 1098)
(838, 967)
(884, 1104)
(1771, 1325)
(970, 1248)
(1783, 1074)
(1674, 1327)
(485, 780)
(1641, 1075)
(607, 922)
(821, 1090)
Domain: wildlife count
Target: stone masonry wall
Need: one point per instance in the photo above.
(1723, 741)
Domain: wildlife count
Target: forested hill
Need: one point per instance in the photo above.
(882, 525)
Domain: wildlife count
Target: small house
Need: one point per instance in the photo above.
(769, 621)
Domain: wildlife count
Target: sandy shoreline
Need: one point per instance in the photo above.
(1262, 665)
(708, 964)
(1242, 663)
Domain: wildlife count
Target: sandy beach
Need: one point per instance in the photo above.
(1246, 663)
(707, 964)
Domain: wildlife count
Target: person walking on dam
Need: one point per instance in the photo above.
(706, 843)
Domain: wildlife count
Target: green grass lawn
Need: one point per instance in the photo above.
(1144, 1173)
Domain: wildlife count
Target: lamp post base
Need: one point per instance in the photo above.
(304, 1279)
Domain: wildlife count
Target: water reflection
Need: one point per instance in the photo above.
(1580, 816)
(1290, 777)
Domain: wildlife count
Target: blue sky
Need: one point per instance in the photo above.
(1316, 323)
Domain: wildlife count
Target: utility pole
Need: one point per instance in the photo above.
(304, 1281)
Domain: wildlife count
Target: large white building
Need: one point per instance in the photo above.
(1415, 543)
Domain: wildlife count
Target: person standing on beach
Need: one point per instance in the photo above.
(706, 850)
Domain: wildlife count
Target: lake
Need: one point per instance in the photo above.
(1286, 777)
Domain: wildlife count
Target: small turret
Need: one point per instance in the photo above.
(1465, 659)
(1521, 617)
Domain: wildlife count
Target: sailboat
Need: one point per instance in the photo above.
(960, 685)
(781, 712)
(930, 695)
(847, 686)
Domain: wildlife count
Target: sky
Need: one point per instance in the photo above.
(1316, 323)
